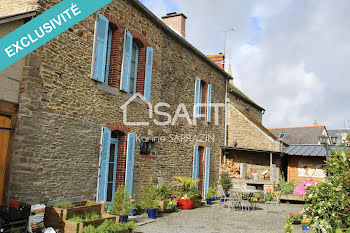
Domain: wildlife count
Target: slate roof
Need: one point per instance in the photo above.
(299, 135)
(310, 150)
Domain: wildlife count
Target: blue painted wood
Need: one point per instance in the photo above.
(116, 142)
(195, 172)
(148, 75)
(207, 171)
(108, 54)
(209, 103)
(129, 172)
(104, 161)
(101, 40)
(136, 64)
(197, 98)
(127, 53)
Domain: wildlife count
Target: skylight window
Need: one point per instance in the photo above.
(282, 135)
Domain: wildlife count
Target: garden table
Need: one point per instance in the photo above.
(249, 193)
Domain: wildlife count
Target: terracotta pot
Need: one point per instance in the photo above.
(185, 204)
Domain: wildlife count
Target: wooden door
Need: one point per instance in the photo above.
(201, 171)
(5, 122)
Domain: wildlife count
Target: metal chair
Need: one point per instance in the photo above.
(274, 202)
(222, 194)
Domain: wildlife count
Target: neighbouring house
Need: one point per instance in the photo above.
(306, 155)
(301, 135)
(10, 84)
(339, 136)
(62, 106)
(308, 161)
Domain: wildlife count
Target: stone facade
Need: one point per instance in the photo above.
(247, 133)
(13, 7)
(62, 110)
(10, 78)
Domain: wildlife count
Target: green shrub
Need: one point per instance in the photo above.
(86, 218)
(225, 181)
(255, 197)
(164, 191)
(150, 196)
(64, 205)
(210, 193)
(286, 187)
(328, 203)
(121, 203)
(109, 227)
(268, 196)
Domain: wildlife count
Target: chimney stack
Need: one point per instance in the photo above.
(315, 123)
(177, 22)
(218, 59)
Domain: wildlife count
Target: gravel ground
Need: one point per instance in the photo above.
(217, 219)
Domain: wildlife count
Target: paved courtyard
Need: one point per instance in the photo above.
(217, 219)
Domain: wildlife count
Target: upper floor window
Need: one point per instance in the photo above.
(202, 107)
(133, 69)
(102, 49)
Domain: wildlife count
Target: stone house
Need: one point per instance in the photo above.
(69, 137)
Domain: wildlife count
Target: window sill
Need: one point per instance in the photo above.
(117, 92)
(148, 157)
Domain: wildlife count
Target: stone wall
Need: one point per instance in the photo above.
(13, 7)
(10, 78)
(247, 134)
(62, 110)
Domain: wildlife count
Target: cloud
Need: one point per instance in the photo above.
(290, 57)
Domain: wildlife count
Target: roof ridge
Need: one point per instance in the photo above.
(298, 127)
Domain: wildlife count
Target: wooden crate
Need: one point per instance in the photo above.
(77, 227)
(55, 217)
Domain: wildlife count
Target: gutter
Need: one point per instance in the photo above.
(15, 17)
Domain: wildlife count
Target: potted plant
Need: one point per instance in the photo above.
(187, 191)
(132, 206)
(170, 207)
(149, 199)
(247, 176)
(164, 192)
(121, 204)
(305, 223)
(268, 196)
(210, 195)
(225, 181)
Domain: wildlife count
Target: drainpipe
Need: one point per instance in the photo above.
(225, 141)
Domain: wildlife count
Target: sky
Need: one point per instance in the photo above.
(290, 57)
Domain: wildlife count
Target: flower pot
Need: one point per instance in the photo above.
(132, 212)
(305, 228)
(215, 198)
(185, 204)
(152, 213)
(208, 201)
(222, 200)
(123, 218)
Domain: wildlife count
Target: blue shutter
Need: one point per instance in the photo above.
(148, 75)
(100, 52)
(104, 160)
(195, 172)
(108, 54)
(129, 172)
(127, 53)
(207, 171)
(197, 97)
(209, 104)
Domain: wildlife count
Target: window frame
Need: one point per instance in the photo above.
(134, 44)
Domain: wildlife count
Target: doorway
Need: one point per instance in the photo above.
(5, 123)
